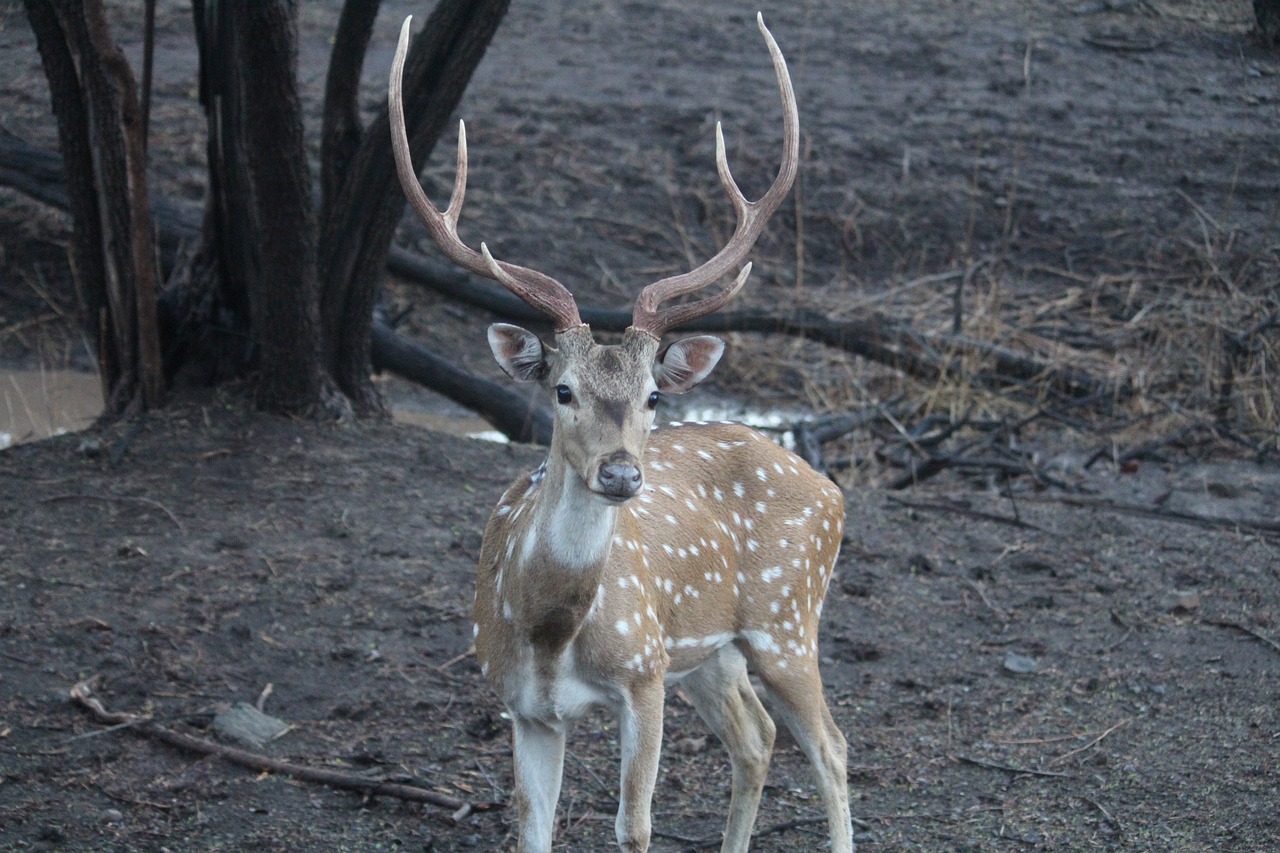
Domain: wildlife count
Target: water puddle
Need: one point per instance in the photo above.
(36, 404)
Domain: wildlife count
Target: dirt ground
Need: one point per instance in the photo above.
(1088, 666)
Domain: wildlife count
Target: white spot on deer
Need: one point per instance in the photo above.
(668, 491)
(475, 630)
(771, 574)
(774, 607)
(678, 448)
(705, 455)
(671, 519)
(636, 617)
(623, 627)
(678, 598)
(682, 553)
(702, 490)
(753, 545)
(763, 477)
(786, 592)
(719, 495)
(597, 604)
(739, 489)
(670, 551)
(693, 507)
(761, 507)
(761, 641)
(502, 510)
(655, 465)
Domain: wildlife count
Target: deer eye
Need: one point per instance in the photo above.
(563, 395)
(653, 400)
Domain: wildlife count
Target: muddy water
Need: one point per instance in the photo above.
(39, 403)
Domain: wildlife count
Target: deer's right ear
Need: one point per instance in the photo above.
(519, 352)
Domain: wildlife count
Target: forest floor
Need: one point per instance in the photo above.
(1083, 655)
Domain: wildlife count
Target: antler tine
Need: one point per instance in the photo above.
(647, 315)
(540, 291)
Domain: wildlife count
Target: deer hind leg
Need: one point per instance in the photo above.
(797, 700)
(721, 692)
(539, 767)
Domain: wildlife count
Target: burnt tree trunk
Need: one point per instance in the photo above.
(363, 201)
(261, 220)
(101, 131)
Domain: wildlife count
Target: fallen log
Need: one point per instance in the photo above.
(515, 416)
(878, 338)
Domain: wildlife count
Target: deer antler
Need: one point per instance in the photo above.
(647, 316)
(541, 291)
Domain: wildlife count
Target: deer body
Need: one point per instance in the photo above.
(638, 557)
(722, 553)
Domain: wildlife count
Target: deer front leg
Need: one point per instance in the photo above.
(539, 767)
(640, 726)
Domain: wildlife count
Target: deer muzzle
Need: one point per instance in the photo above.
(619, 477)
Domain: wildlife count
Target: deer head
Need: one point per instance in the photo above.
(605, 395)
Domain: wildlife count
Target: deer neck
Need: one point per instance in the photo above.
(560, 557)
(571, 528)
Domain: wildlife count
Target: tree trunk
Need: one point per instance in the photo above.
(263, 223)
(360, 217)
(101, 131)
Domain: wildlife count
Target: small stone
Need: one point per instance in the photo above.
(1184, 601)
(691, 745)
(921, 564)
(1020, 664)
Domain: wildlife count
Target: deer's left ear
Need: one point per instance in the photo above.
(686, 362)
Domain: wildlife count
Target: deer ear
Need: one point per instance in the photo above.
(686, 362)
(518, 352)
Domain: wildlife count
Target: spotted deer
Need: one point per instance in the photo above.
(638, 557)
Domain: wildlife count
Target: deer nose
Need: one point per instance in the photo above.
(620, 476)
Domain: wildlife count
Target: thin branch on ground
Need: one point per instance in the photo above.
(1006, 768)
(1094, 741)
(1245, 629)
(80, 496)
